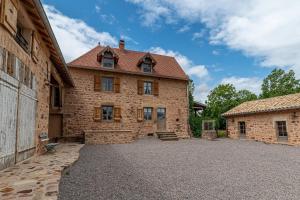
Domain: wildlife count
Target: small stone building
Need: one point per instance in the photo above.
(121, 94)
(272, 120)
(33, 75)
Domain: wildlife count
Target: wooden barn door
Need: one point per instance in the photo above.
(26, 123)
(8, 119)
(17, 120)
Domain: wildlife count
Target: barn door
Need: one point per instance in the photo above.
(17, 120)
(8, 119)
(26, 123)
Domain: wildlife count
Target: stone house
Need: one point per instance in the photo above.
(272, 120)
(33, 75)
(121, 94)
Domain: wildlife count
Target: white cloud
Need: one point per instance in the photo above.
(267, 30)
(184, 29)
(201, 92)
(74, 36)
(200, 71)
(215, 52)
(198, 35)
(97, 8)
(252, 84)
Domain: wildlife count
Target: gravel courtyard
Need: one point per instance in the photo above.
(184, 169)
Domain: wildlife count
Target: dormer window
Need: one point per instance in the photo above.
(108, 60)
(147, 65)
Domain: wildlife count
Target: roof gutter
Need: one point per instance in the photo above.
(44, 17)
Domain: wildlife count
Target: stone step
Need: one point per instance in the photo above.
(169, 139)
(167, 136)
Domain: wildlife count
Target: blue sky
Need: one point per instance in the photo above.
(215, 42)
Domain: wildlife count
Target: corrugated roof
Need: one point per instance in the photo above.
(280, 103)
(166, 66)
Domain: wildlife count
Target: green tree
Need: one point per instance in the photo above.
(245, 95)
(279, 83)
(194, 121)
(221, 99)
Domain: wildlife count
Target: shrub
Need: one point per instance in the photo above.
(221, 133)
(196, 125)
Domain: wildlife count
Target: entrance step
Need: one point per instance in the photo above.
(167, 136)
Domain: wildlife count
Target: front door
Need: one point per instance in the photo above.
(242, 129)
(161, 119)
(282, 130)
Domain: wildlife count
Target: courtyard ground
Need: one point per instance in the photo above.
(37, 178)
(185, 169)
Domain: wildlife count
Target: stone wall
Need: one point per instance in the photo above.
(41, 69)
(262, 127)
(109, 136)
(81, 100)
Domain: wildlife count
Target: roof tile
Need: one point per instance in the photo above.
(166, 66)
(280, 103)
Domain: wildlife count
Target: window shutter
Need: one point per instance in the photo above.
(140, 114)
(155, 88)
(117, 114)
(97, 113)
(97, 83)
(2, 59)
(140, 87)
(117, 84)
(9, 15)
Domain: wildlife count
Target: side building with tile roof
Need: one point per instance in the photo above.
(272, 120)
(120, 95)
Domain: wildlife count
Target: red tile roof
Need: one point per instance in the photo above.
(166, 66)
(281, 103)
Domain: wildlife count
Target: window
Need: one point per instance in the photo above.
(147, 113)
(242, 128)
(107, 84)
(107, 113)
(208, 125)
(147, 87)
(56, 97)
(108, 60)
(281, 129)
(147, 65)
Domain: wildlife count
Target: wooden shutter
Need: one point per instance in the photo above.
(35, 48)
(155, 88)
(117, 114)
(9, 15)
(140, 87)
(117, 84)
(97, 113)
(97, 83)
(2, 59)
(140, 114)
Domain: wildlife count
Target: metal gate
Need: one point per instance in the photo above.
(17, 121)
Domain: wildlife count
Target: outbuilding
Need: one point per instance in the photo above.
(272, 120)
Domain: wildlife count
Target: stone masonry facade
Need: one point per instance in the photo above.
(81, 100)
(38, 63)
(262, 127)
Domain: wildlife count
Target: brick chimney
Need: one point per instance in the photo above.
(121, 44)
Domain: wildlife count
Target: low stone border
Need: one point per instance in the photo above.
(38, 177)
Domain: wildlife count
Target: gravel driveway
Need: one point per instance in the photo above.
(184, 169)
